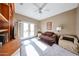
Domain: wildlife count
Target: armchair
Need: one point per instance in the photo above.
(70, 43)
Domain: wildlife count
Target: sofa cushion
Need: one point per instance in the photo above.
(48, 33)
(69, 39)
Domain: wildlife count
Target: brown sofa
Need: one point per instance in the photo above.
(49, 37)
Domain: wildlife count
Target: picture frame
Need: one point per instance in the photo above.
(49, 25)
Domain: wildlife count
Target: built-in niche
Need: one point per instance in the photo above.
(6, 22)
(3, 38)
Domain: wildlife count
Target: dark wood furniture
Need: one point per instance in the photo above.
(9, 48)
(7, 17)
(7, 26)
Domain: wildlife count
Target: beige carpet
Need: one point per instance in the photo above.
(34, 47)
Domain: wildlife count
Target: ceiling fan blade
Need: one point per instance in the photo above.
(40, 8)
(43, 5)
(36, 5)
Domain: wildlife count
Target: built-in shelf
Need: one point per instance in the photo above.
(3, 30)
(3, 18)
(6, 4)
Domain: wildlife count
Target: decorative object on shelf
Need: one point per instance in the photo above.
(49, 25)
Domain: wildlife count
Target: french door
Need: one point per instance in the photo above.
(28, 30)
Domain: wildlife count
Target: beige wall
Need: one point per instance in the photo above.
(77, 22)
(22, 18)
(67, 19)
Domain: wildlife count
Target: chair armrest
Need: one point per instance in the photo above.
(75, 41)
(61, 38)
(43, 34)
(53, 36)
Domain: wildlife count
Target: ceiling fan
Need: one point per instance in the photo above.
(40, 8)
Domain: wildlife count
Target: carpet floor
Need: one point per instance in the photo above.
(35, 47)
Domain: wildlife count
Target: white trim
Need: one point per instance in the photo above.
(16, 53)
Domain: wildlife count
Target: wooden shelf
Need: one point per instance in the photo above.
(7, 4)
(7, 26)
(3, 30)
(3, 18)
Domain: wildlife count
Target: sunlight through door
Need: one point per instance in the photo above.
(30, 50)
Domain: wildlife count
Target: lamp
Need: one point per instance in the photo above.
(58, 29)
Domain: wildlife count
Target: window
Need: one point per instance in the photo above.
(28, 30)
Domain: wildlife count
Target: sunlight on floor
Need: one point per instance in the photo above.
(30, 50)
(41, 45)
(26, 42)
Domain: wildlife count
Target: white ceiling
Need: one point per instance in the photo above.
(51, 9)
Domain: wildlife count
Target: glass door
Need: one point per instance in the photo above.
(31, 30)
(25, 30)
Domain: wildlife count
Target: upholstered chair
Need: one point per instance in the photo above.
(70, 43)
